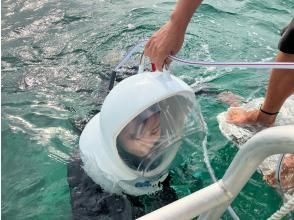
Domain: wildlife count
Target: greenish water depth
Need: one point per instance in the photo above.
(56, 60)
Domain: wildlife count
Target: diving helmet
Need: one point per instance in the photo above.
(129, 146)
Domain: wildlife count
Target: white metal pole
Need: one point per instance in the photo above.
(219, 195)
(275, 140)
(184, 208)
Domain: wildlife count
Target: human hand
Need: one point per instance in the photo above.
(239, 116)
(168, 40)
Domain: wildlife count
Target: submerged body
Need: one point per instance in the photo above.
(125, 157)
(90, 201)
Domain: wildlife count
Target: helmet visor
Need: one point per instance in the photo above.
(150, 141)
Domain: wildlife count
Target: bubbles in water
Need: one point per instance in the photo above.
(131, 26)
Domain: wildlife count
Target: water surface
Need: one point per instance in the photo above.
(56, 61)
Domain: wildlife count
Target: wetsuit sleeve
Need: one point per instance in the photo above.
(286, 43)
(89, 201)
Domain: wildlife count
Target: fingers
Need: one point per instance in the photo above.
(156, 54)
(167, 61)
(155, 57)
(235, 116)
(167, 40)
(239, 116)
(158, 60)
(159, 65)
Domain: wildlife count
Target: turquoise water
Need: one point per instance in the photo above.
(56, 60)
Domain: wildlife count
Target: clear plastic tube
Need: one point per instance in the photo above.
(208, 164)
(255, 65)
(130, 53)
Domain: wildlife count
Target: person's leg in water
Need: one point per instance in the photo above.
(281, 86)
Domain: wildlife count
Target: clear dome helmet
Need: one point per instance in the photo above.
(129, 146)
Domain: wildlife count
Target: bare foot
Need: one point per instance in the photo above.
(239, 116)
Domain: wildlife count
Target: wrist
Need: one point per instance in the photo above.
(272, 113)
(183, 13)
(179, 21)
(265, 119)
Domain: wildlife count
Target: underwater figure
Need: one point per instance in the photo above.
(125, 157)
(89, 200)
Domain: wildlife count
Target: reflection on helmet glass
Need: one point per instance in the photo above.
(150, 141)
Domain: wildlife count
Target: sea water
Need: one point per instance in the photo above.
(57, 57)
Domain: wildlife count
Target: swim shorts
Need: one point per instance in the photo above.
(286, 43)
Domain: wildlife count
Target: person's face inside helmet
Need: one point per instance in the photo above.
(139, 137)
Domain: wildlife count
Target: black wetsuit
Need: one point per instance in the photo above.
(90, 201)
(286, 44)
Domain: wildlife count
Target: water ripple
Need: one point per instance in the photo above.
(56, 60)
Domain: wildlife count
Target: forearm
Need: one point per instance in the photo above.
(281, 85)
(183, 13)
(170, 37)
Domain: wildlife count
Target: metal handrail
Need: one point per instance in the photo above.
(211, 202)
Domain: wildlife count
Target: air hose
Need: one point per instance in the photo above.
(255, 65)
(208, 165)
